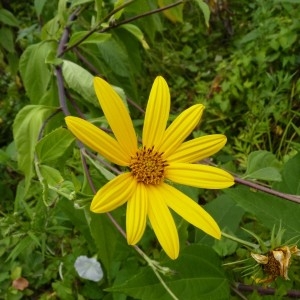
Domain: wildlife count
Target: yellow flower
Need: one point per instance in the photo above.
(162, 158)
(276, 262)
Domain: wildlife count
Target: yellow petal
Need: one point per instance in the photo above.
(113, 194)
(200, 176)
(180, 128)
(198, 149)
(190, 211)
(117, 115)
(162, 222)
(98, 140)
(157, 113)
(136, 214)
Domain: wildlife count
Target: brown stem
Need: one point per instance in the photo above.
(259, 187)
(96, 28)
(265, 291)
(148, 13)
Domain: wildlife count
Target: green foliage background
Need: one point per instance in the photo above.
(239, 58)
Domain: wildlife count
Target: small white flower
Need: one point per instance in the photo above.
(88, 268)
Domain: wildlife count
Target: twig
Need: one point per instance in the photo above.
(265, 291)
(116, 24)
(293, 198)
(148, 13)
(96, 28)
(58, 69)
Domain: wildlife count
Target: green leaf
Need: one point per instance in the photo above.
(137, 33)
(290, 177)
(51, 175)
(26, 129)
(106, 238)
(39, 5)
(198, 275)
(205, 10)
(115, 57)
(23, 245)
(94, 38)
(269, 210)
(77, 217)
(54, 145)
(7, 18)
(174, 14)
(227, 214)
(7, 39)
(263, 165)
(80, 2)
(118, 14)
(79, 80)
(34, 70)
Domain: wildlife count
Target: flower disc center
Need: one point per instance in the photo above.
(273, 266)
(148, 166)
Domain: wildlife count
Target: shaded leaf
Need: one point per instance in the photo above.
(174, 14)
(94, 38)
(134, 30)
(6, 17)
(269, 210)
(105, 237)
(39, 5)
(6, 39)
(226, 212)
(205, 10)
(80, 2)
(197, 275)
(290, 183)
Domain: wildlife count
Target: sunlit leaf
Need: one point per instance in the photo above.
(34, 70)
(51, 175)
(79, 80)
(26, 129)
(54, 145)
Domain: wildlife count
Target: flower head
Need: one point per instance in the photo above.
(162, 158)
(276, 262)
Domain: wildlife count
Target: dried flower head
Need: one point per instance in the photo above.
(276, 262)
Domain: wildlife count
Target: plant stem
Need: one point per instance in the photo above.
(293, 198)
(115, 24)
(96, 28)
(235, 239)
(265, 291)
(148, 13)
